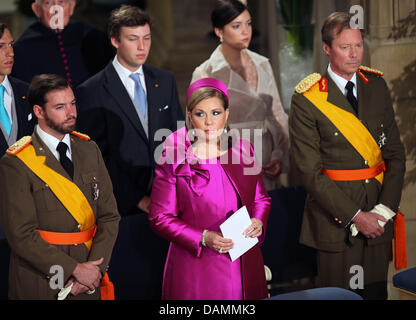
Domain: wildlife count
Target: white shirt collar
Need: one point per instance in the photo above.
(7, 85)
(51, 142)
(122, 71)
(341, 82)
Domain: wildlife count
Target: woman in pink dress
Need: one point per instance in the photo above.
(196, 188)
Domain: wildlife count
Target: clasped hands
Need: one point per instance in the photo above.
(367, 224)
(217, 242)
(86, 277)
(272, 169)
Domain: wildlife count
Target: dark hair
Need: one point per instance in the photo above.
(41, 85)
(126, 16)
(226, 11)
(3, 27)
(334, 25)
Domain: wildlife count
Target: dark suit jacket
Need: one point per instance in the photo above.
(27, 203)
(108, 115)
(316, 144)
(26, 123)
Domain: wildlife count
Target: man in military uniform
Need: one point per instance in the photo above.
(346, 152)
(56, 203)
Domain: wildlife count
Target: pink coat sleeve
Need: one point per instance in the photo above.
(260, 206)
(164, 215)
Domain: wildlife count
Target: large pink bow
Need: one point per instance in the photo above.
(196, 177)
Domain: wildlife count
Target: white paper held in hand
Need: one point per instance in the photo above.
(233, 228)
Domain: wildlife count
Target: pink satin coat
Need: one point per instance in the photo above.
(185, 201)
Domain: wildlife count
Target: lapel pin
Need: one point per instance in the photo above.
(24, 97)
(156, 85)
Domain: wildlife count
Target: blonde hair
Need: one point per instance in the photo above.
(202, 94)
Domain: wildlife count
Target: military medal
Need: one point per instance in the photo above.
(96, 192)
(382, 140)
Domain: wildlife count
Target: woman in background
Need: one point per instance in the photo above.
(196, 188)
(254, 98)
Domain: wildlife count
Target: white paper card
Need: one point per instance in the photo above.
(233, 228)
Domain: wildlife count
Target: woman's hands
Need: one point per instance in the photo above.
(255, 230)
(272, 169)
(216, 242)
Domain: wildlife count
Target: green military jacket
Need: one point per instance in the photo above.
(317, 144)
(27, 204)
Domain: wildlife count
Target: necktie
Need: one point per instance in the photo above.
(140, 98)
(4, 116)
(350, 96)
(65, 161)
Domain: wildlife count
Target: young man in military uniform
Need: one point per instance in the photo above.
(56, 203)
(347, 153)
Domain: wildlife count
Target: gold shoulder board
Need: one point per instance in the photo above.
(19, 145)
(370, 70)
(308, 83)
(80, 135)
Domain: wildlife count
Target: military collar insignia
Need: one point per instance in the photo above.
(323, 85)
(19, 145)
(362, 76)
(308, 83)
(81, 135)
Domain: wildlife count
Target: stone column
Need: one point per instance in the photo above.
(161, 12)
(397, 59)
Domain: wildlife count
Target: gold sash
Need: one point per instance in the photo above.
(350, 127)
(65, 190)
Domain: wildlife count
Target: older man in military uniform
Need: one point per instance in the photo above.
(347, 153)
(56, 203)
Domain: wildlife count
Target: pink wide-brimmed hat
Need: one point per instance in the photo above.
(207, 83)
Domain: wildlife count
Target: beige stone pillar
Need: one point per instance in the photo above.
(397, 59)
(161, 12)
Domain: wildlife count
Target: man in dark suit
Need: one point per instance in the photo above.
(56, 202)
(121, 108)
(347, 153)
(59, 45)
(16, 119)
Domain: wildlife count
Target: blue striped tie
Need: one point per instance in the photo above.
(4, 116)
(139, 95)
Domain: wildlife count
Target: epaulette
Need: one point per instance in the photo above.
(370, 70)
(80, 135)
(308, 82)
(19, 145)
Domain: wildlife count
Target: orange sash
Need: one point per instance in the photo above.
(359, 174)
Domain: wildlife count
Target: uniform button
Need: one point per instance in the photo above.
(62, 49)
(382, 125)
(79, 226)
(340, 222)
(367, 181)
(336, 134)
(59, 37)
(366, 162)
(46, 185)
(65, 61)
(64, 55)
(336, 219)
(68, 74)
(66, 68)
